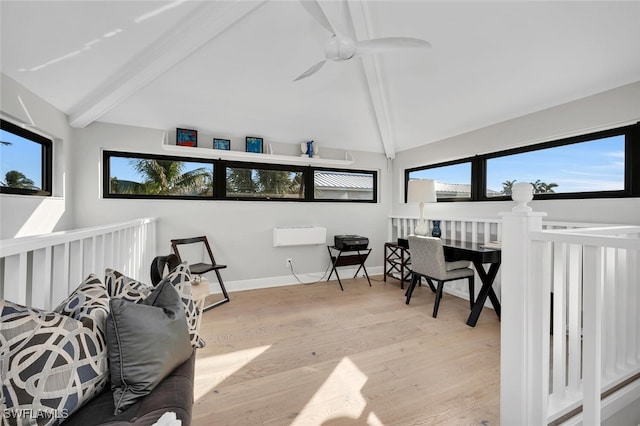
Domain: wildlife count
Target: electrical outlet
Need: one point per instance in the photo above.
(289, 262)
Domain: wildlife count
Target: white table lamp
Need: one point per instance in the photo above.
(421, 191)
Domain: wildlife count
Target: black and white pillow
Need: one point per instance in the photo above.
(123, 287)
(51, 363)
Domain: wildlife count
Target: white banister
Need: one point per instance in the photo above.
(42, 270)
(562, 354)
(521, 384)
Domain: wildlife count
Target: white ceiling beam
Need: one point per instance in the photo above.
(361, 25)
(208, 20)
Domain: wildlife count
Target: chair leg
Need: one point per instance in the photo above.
(224, 293)
(433, 289)
(471, 291)
(436, 304)
(412, 285)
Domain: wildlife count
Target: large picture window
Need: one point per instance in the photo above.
(597, 165)
(129, 175)
(592, 166)
(25, 161)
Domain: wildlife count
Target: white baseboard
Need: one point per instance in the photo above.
(279, 281)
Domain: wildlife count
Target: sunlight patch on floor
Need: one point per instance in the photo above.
(339, 396)
(215, 369)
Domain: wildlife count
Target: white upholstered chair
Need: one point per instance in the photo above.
(427, 260)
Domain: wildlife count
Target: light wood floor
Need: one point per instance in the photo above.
(313, 355)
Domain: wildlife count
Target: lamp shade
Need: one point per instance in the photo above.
(421, 191)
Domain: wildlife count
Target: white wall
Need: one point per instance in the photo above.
(240, 231)
(605, 110)
(28, 215)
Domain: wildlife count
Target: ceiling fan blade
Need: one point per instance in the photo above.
(388, 44)
(314, 9)
(314, 69)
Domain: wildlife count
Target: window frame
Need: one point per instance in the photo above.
(222, 193)
(479, 167)
(219, 179)
(46, 165)
(106, 175)
(470, 160)
(311, 187)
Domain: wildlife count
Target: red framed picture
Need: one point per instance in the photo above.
(186, 137)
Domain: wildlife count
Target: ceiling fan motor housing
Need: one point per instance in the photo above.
(340, 48)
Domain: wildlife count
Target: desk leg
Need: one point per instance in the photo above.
(486, 290)
(333, 267)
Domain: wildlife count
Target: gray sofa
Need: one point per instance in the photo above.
(118, 352)
(174, 393)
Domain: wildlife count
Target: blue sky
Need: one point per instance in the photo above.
(22, 155)
(590, 166)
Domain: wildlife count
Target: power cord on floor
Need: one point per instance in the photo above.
(312, 282)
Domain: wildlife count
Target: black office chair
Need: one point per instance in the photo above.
(200, 268)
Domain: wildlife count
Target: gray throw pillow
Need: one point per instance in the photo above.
(145, 341)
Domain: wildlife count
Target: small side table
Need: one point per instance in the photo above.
(339, 258)
(397, 259)
(199, 293)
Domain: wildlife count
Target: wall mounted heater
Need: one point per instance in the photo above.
(299, 236)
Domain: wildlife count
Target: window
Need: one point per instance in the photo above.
(342, 185)
(452, 180)
(593, 166)
(264, 183)
(129, 175)
(25, 161)
(597, 165)
(150, 176)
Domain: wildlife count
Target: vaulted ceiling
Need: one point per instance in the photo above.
(227, 68)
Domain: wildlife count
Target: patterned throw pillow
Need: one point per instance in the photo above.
(122, 287)
(89, 300)
(50, 364)
(180, 277)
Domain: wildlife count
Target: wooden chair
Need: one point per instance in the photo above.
(202, 267)
(427, 260)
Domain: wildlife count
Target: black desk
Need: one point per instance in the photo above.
(478, 255)
(342, 259)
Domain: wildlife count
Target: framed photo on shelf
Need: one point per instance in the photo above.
(254, 144)
(221, 144)
(186, 137)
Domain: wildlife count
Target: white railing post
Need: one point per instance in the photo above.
(519, 397)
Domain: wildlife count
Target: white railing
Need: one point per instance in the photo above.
(475, 230)
(40, 271)
(570, 330)
(595, 346)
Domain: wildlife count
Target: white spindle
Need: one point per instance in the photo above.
(487, 232)
(559, 320)
(41, 278)
(593, 293)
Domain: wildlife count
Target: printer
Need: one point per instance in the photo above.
(350, 242)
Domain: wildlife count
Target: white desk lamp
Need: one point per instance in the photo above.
(421, 191)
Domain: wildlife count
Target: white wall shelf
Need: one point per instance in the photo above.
(187, 151)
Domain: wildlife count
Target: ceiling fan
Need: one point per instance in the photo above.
(343, 47)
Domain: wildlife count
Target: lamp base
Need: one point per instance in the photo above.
(421, 228)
